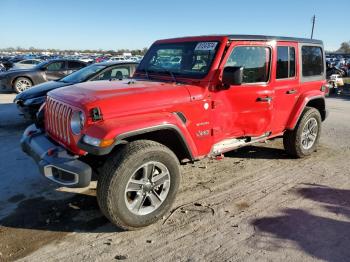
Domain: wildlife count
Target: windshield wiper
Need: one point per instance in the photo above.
(146, 72)
(171, 73)
(164, 70)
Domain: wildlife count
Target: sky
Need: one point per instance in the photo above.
(115, 24)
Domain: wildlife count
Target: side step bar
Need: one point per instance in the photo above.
(234, 143)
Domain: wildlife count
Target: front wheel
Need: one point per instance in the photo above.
(303, 140)
(138, 184)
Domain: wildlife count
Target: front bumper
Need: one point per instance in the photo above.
(54, 162)
(5, 83)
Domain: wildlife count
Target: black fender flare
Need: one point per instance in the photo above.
(123, 139)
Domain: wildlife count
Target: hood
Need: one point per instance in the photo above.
(17, 70)
(40, 90)
(123, 97)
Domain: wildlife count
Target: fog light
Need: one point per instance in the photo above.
(91, 140)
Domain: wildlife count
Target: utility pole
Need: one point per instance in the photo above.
(313, 26)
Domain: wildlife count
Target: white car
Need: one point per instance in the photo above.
(336, 80)
(86, 59)
(117, 58)
(25, 64)
(135, 58)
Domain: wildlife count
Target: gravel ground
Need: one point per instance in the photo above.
(257, 204)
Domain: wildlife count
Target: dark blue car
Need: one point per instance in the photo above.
(29, 101)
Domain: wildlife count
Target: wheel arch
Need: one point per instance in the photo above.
(320, 105)
(317, 102)
(24, 76)
(168, 135)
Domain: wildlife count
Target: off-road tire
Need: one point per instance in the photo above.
(116, 173)
(292, 138)
(26, 79)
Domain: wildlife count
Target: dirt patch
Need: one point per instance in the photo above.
(242, 205)
(38, 221)
(256, 204)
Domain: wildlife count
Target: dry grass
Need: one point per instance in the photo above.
(346, 80)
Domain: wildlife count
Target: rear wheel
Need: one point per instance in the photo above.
(21, 84)
(138, 184)
(303, 140)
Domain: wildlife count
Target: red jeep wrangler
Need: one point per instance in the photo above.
(190, 98)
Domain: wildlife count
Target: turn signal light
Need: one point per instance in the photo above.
(106, 142)
(325, 88)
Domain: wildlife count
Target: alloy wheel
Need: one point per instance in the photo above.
(23, 84)
(147, 188)
(309, 133)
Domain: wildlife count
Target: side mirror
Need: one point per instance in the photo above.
(232, 75)
(43, 68)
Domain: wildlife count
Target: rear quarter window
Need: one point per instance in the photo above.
(312, 61)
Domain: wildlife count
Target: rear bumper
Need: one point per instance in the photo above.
(54, 162)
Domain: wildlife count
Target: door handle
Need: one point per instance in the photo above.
(292, 91)
(267, 99)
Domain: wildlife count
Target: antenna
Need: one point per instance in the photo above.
(313, 26)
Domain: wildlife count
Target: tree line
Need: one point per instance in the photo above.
(72, 52)
(344, 48)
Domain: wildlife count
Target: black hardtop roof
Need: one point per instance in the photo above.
(277, 38)
(255, 38)
(112, 63)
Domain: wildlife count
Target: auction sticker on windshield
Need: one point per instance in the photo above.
(205, 46)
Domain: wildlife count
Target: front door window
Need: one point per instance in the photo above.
(56, 66)
(255, 61)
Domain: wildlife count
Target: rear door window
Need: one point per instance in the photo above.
(120, 72)
(285, 62)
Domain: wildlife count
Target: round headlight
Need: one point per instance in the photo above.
(77, 122)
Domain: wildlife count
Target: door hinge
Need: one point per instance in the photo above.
(215, 131)
(215, 104)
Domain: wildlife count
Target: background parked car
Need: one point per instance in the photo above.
(331, 70)
(86, 59)
(6, 63)
(29, 101)
(25, 64)
(335, 81)
(23, 79)
(117, 58)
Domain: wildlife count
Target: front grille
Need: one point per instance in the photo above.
(57, 119)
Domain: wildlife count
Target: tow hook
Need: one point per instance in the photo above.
(220, 157)
(52, 151)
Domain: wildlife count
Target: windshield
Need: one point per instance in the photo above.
(185, 59)
(82, 74)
